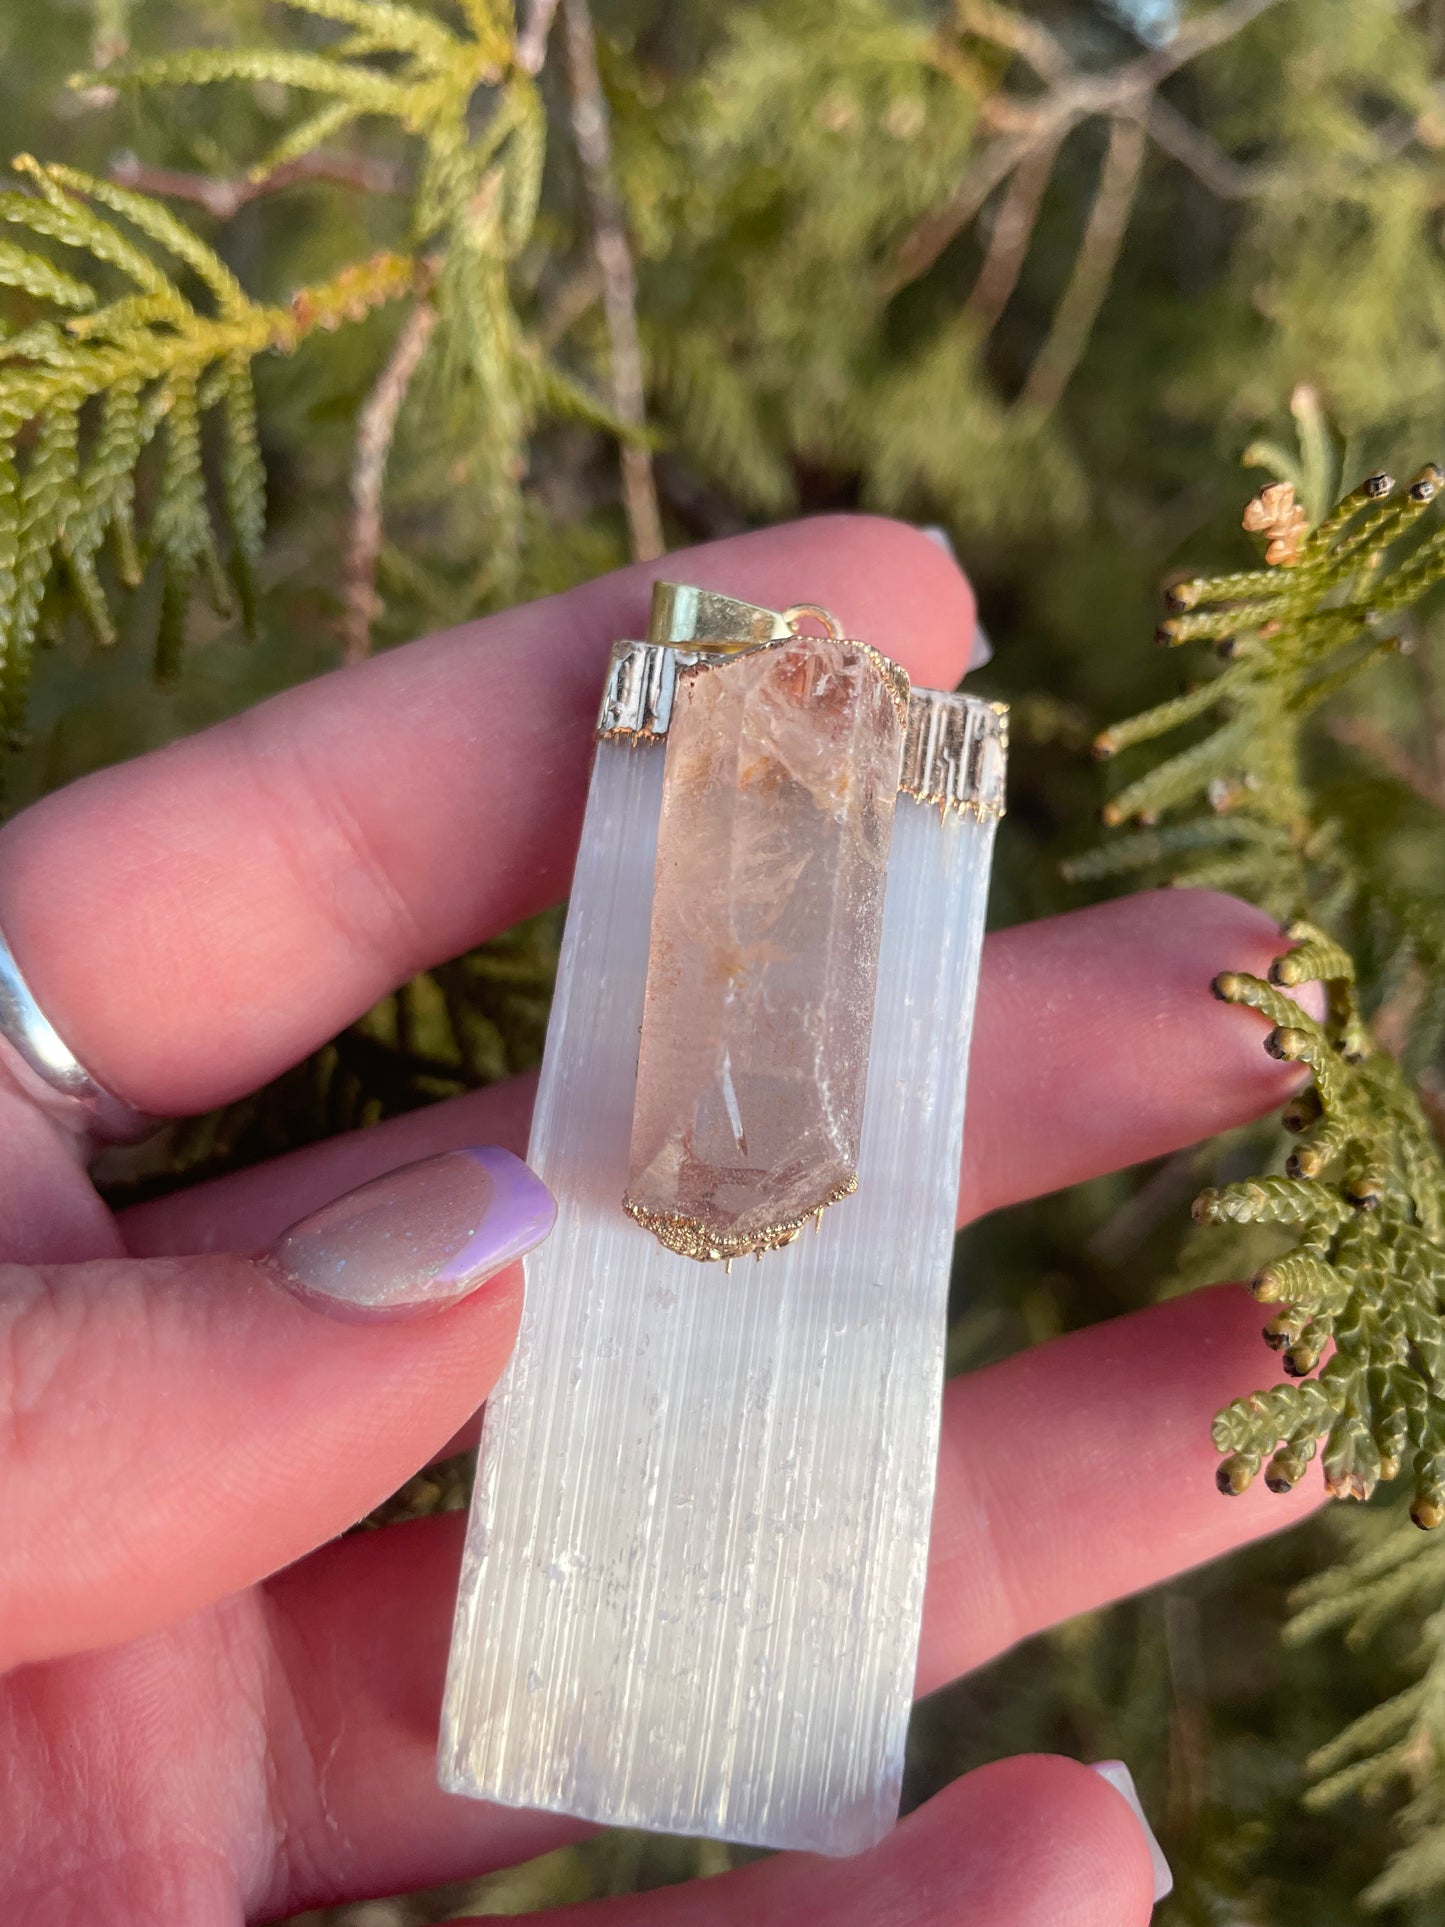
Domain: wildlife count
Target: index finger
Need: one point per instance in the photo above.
(194, 922)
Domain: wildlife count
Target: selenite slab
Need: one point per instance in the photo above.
(693, 1577)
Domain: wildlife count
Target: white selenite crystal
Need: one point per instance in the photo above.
(693, 1579)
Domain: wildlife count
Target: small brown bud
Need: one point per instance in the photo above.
(1427, 1511)
(1233, 1476)
(1378, 485)
(1287, 1044)
(1281, 1474)
(1302, 1111)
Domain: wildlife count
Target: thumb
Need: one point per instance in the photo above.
(171, 1430)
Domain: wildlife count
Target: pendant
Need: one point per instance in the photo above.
(693, 1580)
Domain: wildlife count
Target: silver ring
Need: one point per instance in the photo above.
(50, 1074)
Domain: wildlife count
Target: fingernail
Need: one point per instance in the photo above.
(418, 1238)
(1122, 1781)
(982, 651)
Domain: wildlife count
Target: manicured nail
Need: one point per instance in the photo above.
(1122, 1781)
(418, 1238)
(982, 651)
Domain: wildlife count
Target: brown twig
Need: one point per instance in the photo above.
(1077, 312)
(1159, 1197)
(573, 299)
(1202, 155)
(225, 197)
(1027, 125)
(1358, 732)
(1026, 38)
(374, 434)
(532, 41)
(609, 243)
(1008, 244)
(619, 283)
(930, 236)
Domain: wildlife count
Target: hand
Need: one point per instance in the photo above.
(191, 1734)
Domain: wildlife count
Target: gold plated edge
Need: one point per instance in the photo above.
(641, 686)
(894, 675)
(955, 753)
(690, 1238)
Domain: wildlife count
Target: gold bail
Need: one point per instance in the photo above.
(686, 618)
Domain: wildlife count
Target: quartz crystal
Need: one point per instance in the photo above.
(693, 1578)
(781, 779)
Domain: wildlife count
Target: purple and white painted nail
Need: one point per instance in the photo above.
(418, 1238)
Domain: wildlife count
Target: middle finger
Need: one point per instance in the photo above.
(1097, 1045)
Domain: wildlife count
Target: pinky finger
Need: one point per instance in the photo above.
(1030, 1842)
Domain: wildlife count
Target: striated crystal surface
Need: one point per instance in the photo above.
(693, 1578)
(778, 800)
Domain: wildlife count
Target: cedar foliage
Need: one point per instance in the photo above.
(329, 280)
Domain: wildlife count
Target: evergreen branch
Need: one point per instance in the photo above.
(1365, 1189)
(367, 90)
(153, 365)
(156, 222)
(406, 29)
(34, 275)
(1392, 1571)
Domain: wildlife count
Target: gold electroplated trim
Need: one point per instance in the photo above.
(955, 748)
(690, 1238)
(895, 676)
(955, 753)
(685, 628)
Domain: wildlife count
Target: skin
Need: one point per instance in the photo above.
(213, 1710)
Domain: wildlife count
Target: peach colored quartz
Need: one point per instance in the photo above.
(781, 778)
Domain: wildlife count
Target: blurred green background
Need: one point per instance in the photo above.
(1038, 275)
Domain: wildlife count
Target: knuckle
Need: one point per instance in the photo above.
(39, 1329)
(340, 869)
